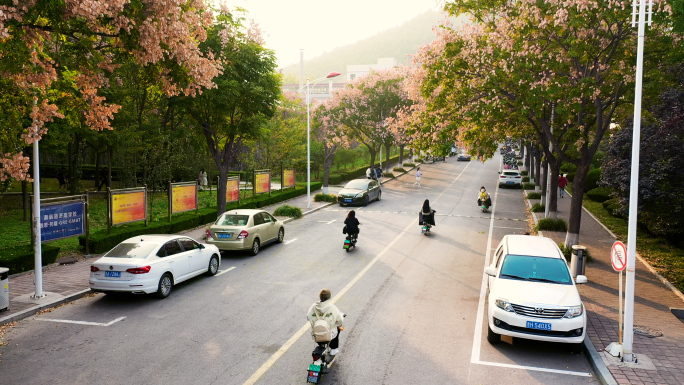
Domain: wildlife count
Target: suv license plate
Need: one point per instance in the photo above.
(538, 325)
(223, 236)
(113, 274)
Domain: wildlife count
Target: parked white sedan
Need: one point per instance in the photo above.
(532, 294)
(152, 264)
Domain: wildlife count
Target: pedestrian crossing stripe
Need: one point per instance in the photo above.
(439, 215)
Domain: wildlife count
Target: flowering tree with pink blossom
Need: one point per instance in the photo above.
(516, 64)
(329, 132)
(44, 42)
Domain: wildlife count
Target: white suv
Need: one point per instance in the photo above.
(532, 294)
(510, 178)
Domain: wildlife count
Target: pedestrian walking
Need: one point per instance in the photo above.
(562, 183)
(104, 178)
(378, 173)
(369, 172)
(418, 175)
(61, 178)
(202, 180)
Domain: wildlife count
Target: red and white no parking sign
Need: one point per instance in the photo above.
(618, 255)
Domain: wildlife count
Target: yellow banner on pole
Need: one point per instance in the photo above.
(232, 190)
(262, 183)
(128, 207)
(288, 178)
(183, 198)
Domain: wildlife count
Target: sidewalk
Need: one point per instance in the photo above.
(65, 283)
(660, 359)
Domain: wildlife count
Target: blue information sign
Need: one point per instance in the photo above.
(62, 220)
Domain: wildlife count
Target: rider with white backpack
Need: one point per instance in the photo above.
(326, 322)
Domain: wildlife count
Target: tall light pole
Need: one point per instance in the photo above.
(627, 354)
(308, 132)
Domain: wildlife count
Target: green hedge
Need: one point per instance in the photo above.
(550, 224)
(538, 208)
(101, 242)
(568, 167)
(534, 195)
(599, 194)
(570, 177)
(339, 177)
(288, 211)
(399, 169)
(593, 176)
(526, 179)
(22, 258)
(528, 186)
(524, 172)
(409, 165)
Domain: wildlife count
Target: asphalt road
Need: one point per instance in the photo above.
(415, 304)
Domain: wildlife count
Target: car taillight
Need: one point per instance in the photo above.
(139, 270)
(94, 268)
(502, 176)
(316, 357)
(208, 234)
(518, 177)
(243, 234)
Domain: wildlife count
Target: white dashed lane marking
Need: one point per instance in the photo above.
(221, 272)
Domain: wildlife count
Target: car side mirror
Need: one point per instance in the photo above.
(581, 279)
(499, 172)
(490, 271)
(201, 246)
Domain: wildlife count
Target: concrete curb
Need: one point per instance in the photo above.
(604, 375)
(35, 309)
(288, 220)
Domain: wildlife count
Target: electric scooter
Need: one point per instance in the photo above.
(322, 362)
(426, 229)
(350, 241)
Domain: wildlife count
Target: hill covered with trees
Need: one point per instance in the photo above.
(398, 42)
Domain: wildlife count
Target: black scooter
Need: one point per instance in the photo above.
(350, 241)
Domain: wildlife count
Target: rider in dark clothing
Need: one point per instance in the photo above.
(351, 223)
(427, 214)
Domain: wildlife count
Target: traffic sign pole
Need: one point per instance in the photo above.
(618, 257)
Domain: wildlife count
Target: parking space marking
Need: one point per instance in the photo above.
(220, 272)
(290, 241)
(66, 321)
(534, 368)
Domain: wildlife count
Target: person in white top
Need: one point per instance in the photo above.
(418, 175)
(328, 311)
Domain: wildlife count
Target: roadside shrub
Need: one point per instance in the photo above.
(19, 259)
(568, 167)
(525, 179)
(325, 198)
(528, 186)
(420, 160)
(399, 169)
(388, 175)
(599, 194)
(409, 165)
(534, 195)
(288, 211)
(593, 176)
(524, 172)
(538, 208)
(570, 177)
(550, 224)
(519, 162)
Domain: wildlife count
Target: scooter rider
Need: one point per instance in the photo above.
(427, 214)
(325, 309)
(484, 198)
(351, 224)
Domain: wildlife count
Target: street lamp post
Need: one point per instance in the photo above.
(308, 132)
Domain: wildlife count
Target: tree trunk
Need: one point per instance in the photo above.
(401, 155)
(387, 156)
(110, 155)
(97, 169)
(327, 164)
(575, 220)
(528, 164)
(544, 175)
(372, 153)
(537, 167)
(221, 189)
(553, 190)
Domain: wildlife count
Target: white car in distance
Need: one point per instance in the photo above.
(532, 294)
(152, 264)
(510, 178)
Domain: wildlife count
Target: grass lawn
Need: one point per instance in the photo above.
(666, 258)
(16, 232)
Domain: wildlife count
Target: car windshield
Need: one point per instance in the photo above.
(357, 185)
(540, 269)
(132, 250)
(233, 220)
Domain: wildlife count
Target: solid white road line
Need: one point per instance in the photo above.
(534, 368)
(66, 321)
(328, 222)
(223, 271)
(306, 327)
(290, 241)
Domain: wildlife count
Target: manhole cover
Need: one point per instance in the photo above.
(647, 332)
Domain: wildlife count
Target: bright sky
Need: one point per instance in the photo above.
(318, 26)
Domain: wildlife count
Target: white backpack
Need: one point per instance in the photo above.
(321, 330)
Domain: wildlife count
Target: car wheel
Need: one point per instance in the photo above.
(379, 196)
(165, 286)
(281, 235)
(255, 247)
(492, 337)
(577, 348)
(213, 265)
